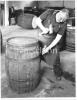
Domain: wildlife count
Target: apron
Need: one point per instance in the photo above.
(52, 58)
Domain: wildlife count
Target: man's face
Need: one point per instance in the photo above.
(61, 16)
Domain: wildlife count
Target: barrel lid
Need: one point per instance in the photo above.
(19, 41)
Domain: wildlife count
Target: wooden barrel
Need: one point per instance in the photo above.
(25, 20)
(23, 63)
(70, 38)
(68, 64)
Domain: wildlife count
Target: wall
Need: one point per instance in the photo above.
(57, 3)
(51, 3)
(69, 3)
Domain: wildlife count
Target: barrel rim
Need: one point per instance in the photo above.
(23, 60)
(71, 27)
(36, 41)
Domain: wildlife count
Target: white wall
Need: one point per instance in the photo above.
(6, 14)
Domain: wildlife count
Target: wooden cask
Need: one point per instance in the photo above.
(70, 38)
(25, 20)
(23, 63)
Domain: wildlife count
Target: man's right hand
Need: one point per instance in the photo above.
(48, 30)
(45, 31)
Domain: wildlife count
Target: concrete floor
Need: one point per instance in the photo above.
(49, 86)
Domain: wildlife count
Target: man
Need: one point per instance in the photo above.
(53, 25)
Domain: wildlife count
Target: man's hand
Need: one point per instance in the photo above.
(45, 31)
(48, 30)
(45, 50)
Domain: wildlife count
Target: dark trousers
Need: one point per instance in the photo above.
(53, 60)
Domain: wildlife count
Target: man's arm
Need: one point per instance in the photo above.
(41, 18)
(40, 25)
(57, 39)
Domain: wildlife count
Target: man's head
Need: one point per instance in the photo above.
(62, 15)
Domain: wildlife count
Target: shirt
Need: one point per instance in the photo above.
(49, 17)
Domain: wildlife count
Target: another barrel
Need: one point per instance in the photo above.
(70, 38)
(23, 63)
(25, 20)
(68, 65)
